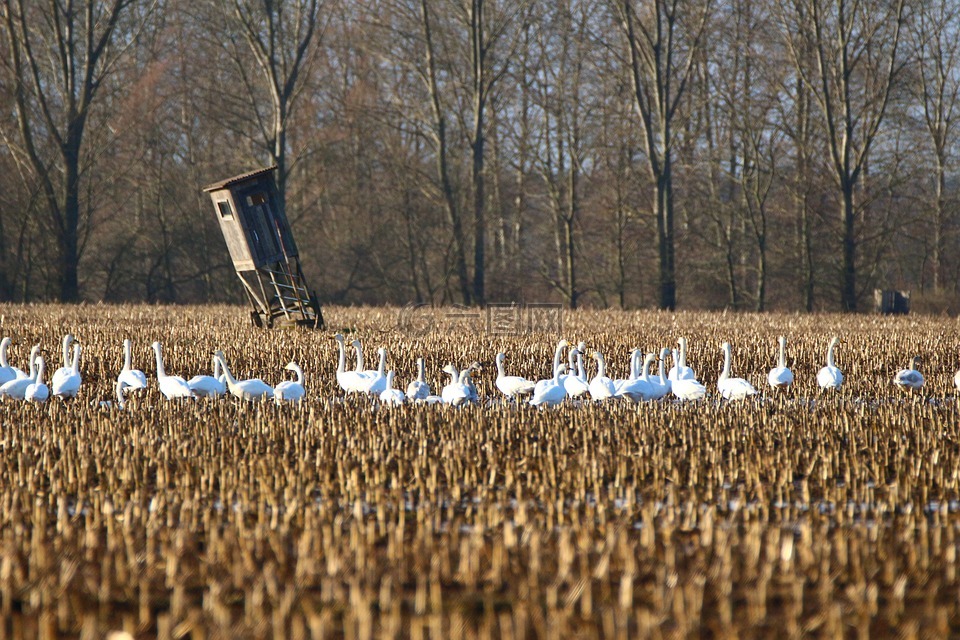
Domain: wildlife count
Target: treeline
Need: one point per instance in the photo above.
(748, 154)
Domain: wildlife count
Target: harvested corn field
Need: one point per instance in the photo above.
(791, 512)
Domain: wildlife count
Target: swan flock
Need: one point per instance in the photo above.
(569, 381)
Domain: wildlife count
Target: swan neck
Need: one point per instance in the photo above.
(3, 352)
(830, 357)
(783, 352)
(160, 372)
(40, 365)
(381, 368)
(601, 366)
(226, 371)
(75, 366)
(726, 363)
(500, 370)
(342, 362)
(557, 355)
(66, 350)
(683, 352)
(126, 355)
(359, 356)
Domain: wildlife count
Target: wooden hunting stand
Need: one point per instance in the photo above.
(264, 254)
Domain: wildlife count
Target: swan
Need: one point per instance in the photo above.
(511, 386)
(37, 391)
(456, 393)
(419, 389)
(780, 376)
(688, 390)
(67, 368)
(349, 381)
(17, 387)
(365, 373)
(601, 387)
(377, 382)
(170, 386)
(204, 386)
(830, 377)
(467, 380)
(68, 385)
(732, 388)
(910, 379)
(130, 378)
(575, 383)
(7, 373)
(639, 388)
(680, 370)
(661, 384)
(553, 392)
(290, 390)
(956, 380)
(389, 395)
(252, 389)
(557, 356)
(619, 383)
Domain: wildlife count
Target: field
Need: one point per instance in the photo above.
(789, 515)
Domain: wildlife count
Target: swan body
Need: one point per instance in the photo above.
(349, 381)
(688, 390)
(511, 386)
(17, 388)
(37, 391)
(7, 373)
(204, 386)
(552, 392)
(250, 390)
(780, 376)
(290, 390)
(390, 395)
(67, 385)
(732, 388)
(680, 370)
(639, 389)
(910, 379)
(129, 377)
(575, 383)
(830, 377)
(661, 384)
(601, 387)
(457, 392)
(170, 386)
(418, 389)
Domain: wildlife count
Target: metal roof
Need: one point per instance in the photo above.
(223, 184)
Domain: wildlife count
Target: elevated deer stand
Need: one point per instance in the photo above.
(264, 254)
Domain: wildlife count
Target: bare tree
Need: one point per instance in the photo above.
(60, 55)
(855, 63)
(935, 40)
(662, 38)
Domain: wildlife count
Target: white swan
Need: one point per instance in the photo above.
(780, 376)
(956, 380)
(419, 389)
(67, 368)
(349, 381)
(365, 373)
(511, 386)
(680, 370)
(389, 395)
(601, 387)
(170, 386)
(557, 357)
(68, 385)
(7, 373)
(688, 390)
(468, 380)
(575, 383)
(204, 386)
(456, 393)
(37, 391)
(830, 377)
(290, 390)
(129, 377)
(553, 392)
(377, 382)
(639, 388)
(732, 388)
(661, 384)
(910, 379)
(250, 390)
(17, 387)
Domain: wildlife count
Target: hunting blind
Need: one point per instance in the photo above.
(263, 251)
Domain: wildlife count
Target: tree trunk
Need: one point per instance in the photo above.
(849, 292)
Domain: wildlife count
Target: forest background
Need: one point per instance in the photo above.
(745, 154)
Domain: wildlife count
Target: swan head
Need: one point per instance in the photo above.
(915, 362)
(725, 347)
(475, 366)
(664, 353)
(582, 347)
(576, 351)
(355, 343)
(155, 346)
(500, 358)
(293, 366)
(449, 368)
(338, 337)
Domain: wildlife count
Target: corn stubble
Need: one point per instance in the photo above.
(802, 514)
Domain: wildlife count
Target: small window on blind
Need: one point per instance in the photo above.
(256, 200)
(226, 211)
